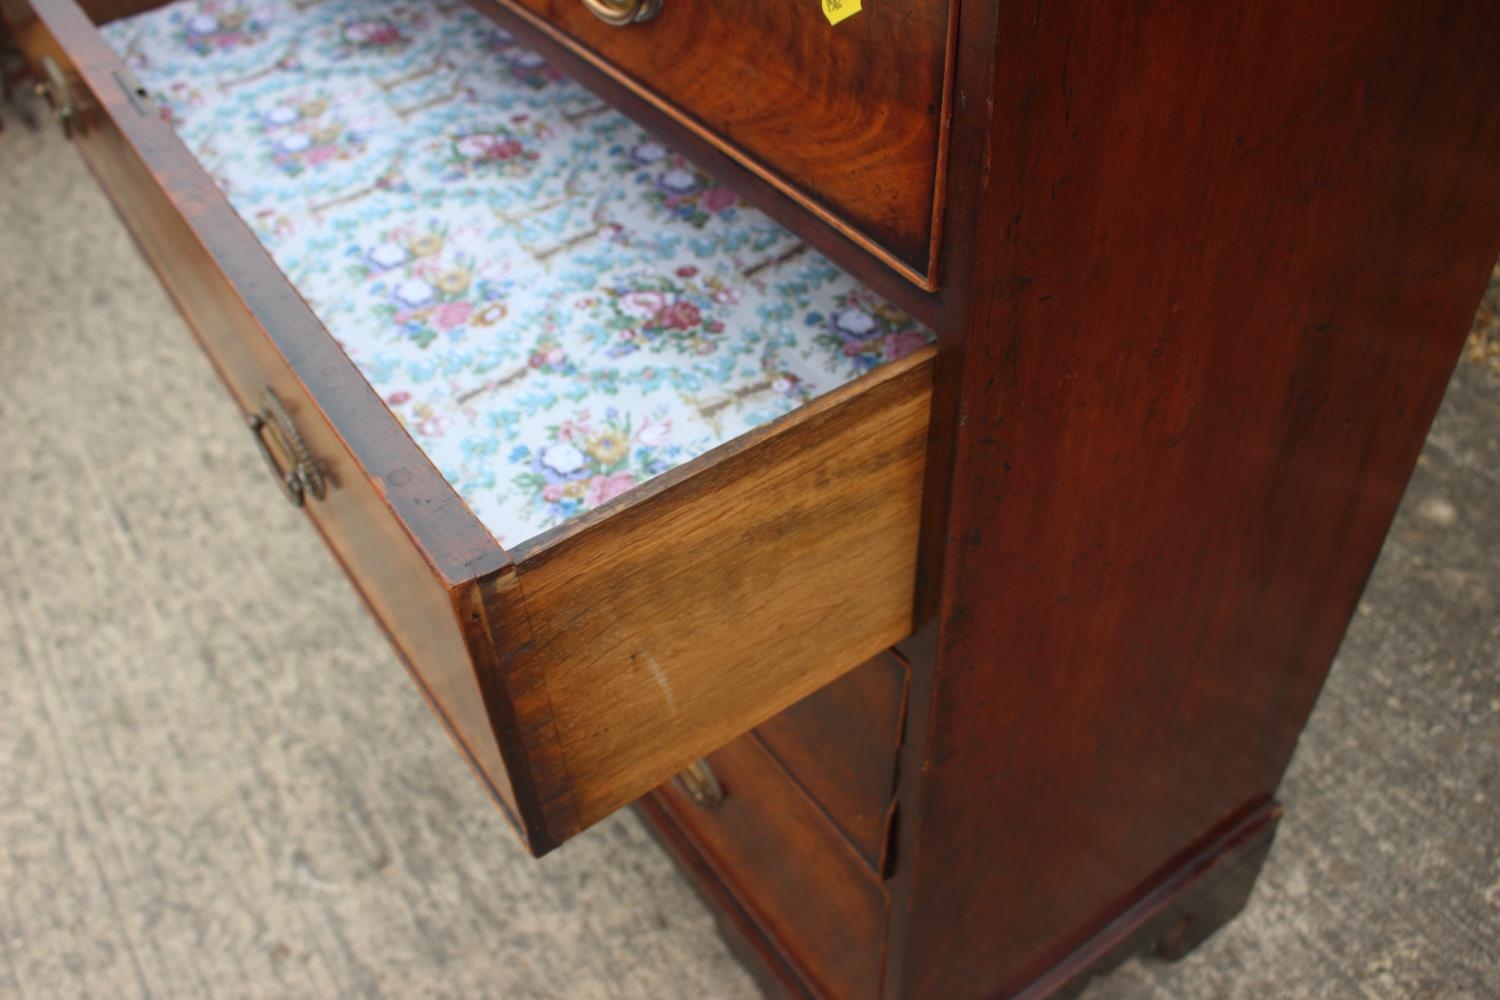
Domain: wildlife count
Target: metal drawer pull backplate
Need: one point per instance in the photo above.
(623, 12)
(275, 433)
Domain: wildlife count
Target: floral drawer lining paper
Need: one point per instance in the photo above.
(556, 306)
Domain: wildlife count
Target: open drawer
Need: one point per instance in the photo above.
(591, 659)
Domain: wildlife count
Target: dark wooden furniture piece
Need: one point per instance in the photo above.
(1199, 274)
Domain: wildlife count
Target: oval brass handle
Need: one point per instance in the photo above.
(699, 783)
(622, 12)
(274, 432)
(55, 90)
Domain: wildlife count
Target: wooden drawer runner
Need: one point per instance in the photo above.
(789, 869)
(847, 119)
(840, 744)
(580, 669)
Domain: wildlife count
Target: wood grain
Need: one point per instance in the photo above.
(1218, 265)
(847, 119)
(1181, 911)
(688, 611)
(755, 947)
(789, 870)
(839, 744)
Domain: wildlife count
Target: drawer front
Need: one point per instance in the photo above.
(233, 299)
(840, 744)
(846, 118)
(787, 868)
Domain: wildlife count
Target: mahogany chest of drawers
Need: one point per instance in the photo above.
(976, 670)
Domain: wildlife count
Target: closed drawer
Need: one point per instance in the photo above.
(588, 663)
(847, 118)
(788, 869)
(840, 744)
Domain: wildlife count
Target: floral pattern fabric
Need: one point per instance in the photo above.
(555, 305)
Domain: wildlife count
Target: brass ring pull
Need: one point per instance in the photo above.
(274, 432)
(622, 12)
(55, 90)
(699, 783)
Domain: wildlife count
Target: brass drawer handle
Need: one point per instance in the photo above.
(699, 783)
(56, 92)
(274, 432)
(622, 12)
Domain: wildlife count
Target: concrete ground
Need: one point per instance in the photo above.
(215, 780)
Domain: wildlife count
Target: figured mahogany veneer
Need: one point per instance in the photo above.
(786, 555)
(846, 119)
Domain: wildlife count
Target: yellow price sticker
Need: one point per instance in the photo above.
(838, 10)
